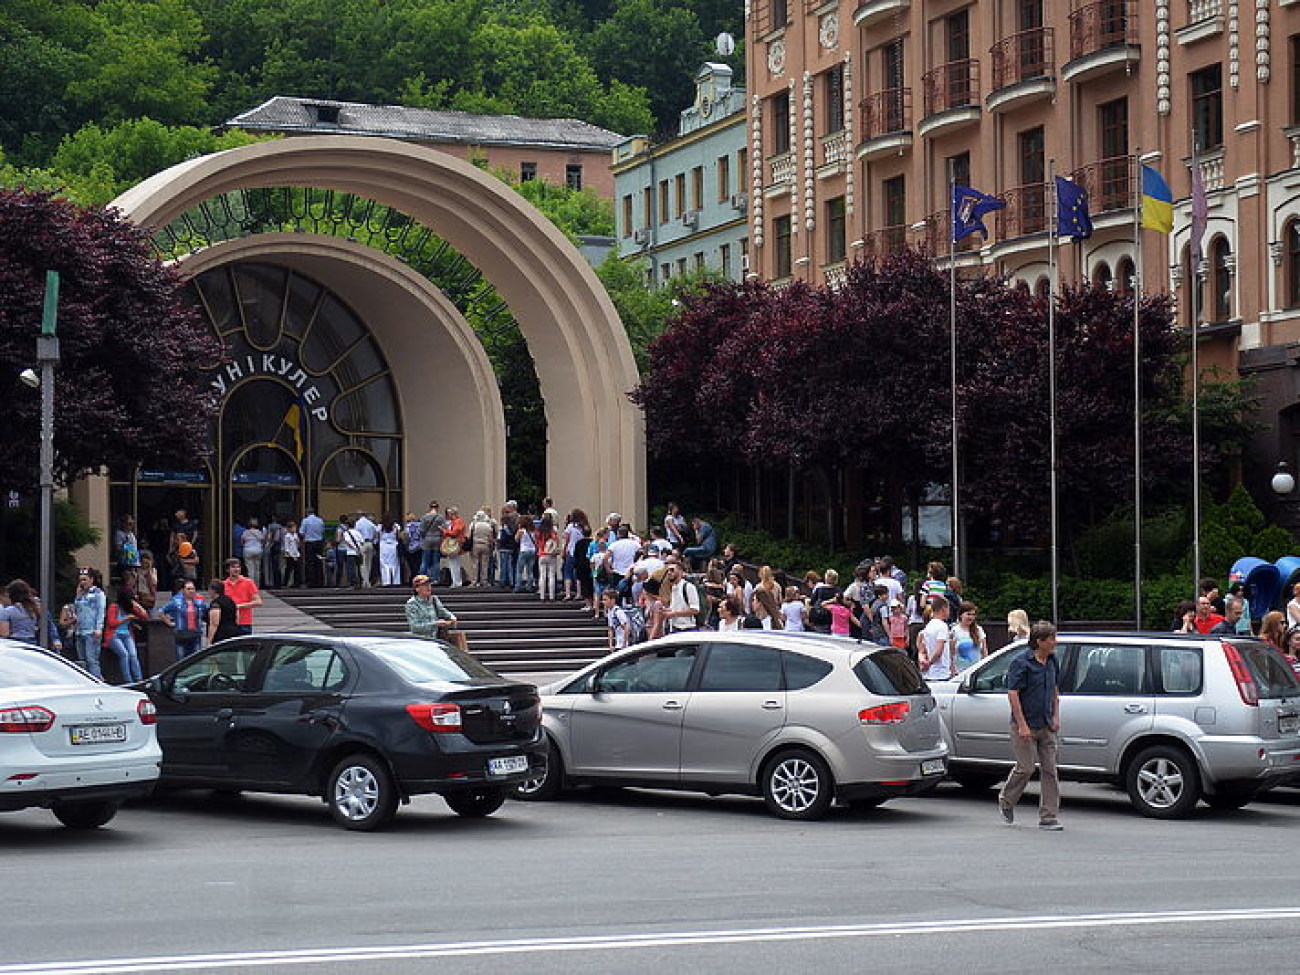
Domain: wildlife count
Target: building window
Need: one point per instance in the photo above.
(648, 201)
(1207, 107)
(959, 65)
(1101, 277)
(780, 14)
(780, 115)
(1044, 288)
(959, 169)
(699, 260)
(573, 176)
(681, 193)
(724, 258)
(697, 188)
(1125, 276)
(663, 201)
(724, 179)
(1293, 262)
(627, 215)
(681, 266)
(527, 171)
(781, 242)
(1220, 281)
(836, 231)
(833, 88)
(742, 161)
(1295, 79)
(894, 197)
(665, 272)
(1033, 177)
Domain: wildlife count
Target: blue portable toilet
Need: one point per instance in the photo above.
(1288, 568)
(1263, 581)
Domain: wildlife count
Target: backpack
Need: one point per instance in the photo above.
(701, 614)
(414, 536)
(636, 629)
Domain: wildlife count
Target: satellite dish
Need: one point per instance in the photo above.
(725, 44)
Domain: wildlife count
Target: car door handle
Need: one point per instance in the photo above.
(672, 705)
(225, 714)
(1135, 709)
(771, 705)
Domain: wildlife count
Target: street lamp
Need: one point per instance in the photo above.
(1283, 482)
(47, 356)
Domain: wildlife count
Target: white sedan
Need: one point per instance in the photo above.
(69, 742)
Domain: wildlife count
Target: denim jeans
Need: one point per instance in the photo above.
(88, 650)
(124, 646)
(526, 572)
(186, 647)
(431, 564)
(505, 568)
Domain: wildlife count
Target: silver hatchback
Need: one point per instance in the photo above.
(800, 719)
(1171, 718)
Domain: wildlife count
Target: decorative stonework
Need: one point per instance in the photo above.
(776, 57)
(794, 175)
(809, 155)
(1263, 41)
(1234, 44)
(1164, 100)
(829, 31)
(848, 114)
(756, 171)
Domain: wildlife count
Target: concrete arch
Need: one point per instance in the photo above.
(596, 449)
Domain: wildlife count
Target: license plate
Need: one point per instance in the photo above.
(507, 766)
(1288, 724)
(933, 767)
(92, 734)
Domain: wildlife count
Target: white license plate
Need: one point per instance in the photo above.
(933, 767)
(506, 766)
(1288, 724)
(92, 734)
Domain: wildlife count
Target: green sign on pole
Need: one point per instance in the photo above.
(51, 302)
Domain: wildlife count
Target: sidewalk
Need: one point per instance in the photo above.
(277, 616)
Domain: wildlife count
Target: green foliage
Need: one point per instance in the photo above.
(20, 546)
(577, 212)
(1273, 543)
(759, 547)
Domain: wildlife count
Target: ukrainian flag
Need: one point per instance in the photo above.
(1157, 202)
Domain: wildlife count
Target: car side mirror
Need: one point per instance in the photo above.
(593, 684)
(967, 685)
(180, 695)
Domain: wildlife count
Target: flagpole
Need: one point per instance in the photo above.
(1054, 278)
(1194, 279)
(957, 567)
(1137, 388)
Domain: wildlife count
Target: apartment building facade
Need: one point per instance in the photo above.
(863, 113)
(680, 205)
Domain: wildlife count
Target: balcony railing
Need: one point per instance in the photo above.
(934, 235)
(886, 112)
(886, 240)
(952, 85)
(835, 148)
(781, 168)
(1109, 183)
(1025, 212)
(1029, 54)
(1097, 26)
(1198, 10)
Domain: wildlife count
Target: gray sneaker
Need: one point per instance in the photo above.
(1008, 812)
(1051, 824)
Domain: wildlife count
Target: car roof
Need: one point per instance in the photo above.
(779, 639)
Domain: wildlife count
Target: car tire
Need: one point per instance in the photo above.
(796, 784)
(973, 781)
(1163, 782)
(84, 813)
(360, 793)
(476, 803)
(1231, 796)
(546, 785)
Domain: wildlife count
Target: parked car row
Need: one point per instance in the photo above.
(366, 721)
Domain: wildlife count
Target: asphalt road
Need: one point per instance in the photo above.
(647, 882)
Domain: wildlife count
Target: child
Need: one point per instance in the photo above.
(841, 615)
(794, 610)
(617, 619)
(896, 623)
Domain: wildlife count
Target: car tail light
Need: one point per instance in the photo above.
(435, 717)
(1242, 675)
(25, 720)
(147, 712)
(885, 713)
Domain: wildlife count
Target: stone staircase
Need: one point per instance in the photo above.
(509, 632)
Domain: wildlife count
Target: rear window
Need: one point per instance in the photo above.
(422, 661)
(890, 673)
(1273, 674)
(30, 668)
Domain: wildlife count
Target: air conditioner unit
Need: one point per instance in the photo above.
(642, 236)
(740, 202)
(691, 219)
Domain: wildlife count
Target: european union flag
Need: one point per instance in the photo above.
(968, 209)
(1072, 218)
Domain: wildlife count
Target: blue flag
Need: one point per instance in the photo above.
(1072, 218)
(968, 209)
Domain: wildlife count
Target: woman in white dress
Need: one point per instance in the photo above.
(390, 559)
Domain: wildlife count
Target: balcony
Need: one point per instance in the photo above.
(951, 96)
(874, 12)
(1025, 212)
(886, 123)
(835, 153)
(885, 241)
(780, 170)
(1024, 69)
(935, 231)
(1109, 183)
(1103, 39)
(1204, 20)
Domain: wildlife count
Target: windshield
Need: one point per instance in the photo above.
(421, 661)
(28, 668)
(1273, 674)
(890, 673)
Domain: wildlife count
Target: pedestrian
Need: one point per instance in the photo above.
(526, 566)
(347, 552)
(841, 614)
(794, 611)
(186, 613)
(126, 548)
(312, 529)
(706, 541)
(729, 614)
(453, 543)
(618, 623)
(273, 553)
(390, 558)
(431, 526)
(482, 536)
(684, 601)
(425, 613)
(186, 560)
(368, 531)
(1017, 625)
(576, 533)
(549, 548)
(968, 638)
(244, 593)
(1291, 648)
(414, 550)
(291, 546)
(1272, 629)
(223, 614)
(90, 605)
(897, 625)
(1235, 608)
(146, 582)
(118, 636)
(1033, 692)
(253, 545)
(21, 617)
(934, 643)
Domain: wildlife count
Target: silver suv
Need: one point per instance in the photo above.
(800, 719)
(1171, 718)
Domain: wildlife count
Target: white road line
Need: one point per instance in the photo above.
(332, 956)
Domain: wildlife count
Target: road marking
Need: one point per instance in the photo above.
(667, 939)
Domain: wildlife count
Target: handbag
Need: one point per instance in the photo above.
(450, 545)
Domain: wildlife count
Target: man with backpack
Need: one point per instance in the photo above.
(685, 601)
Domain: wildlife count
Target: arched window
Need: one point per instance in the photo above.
(1125, 276)
(1292, 238)
(1101, 276)
(1220, 309)
(1044, 287)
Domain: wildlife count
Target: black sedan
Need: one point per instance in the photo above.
(362, 721)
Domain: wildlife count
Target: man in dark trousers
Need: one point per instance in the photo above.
(1032, 690)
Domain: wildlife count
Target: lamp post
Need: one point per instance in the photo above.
(1283, 482)
(47, 356)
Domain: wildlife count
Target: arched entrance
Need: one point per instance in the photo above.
(595, 453)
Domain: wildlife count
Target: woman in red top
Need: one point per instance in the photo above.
(118, 636)
(548, 557)
(453, 541)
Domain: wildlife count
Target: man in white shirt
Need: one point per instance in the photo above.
(935, 643)
(368, 531)
(684, 603)
(623, 552)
